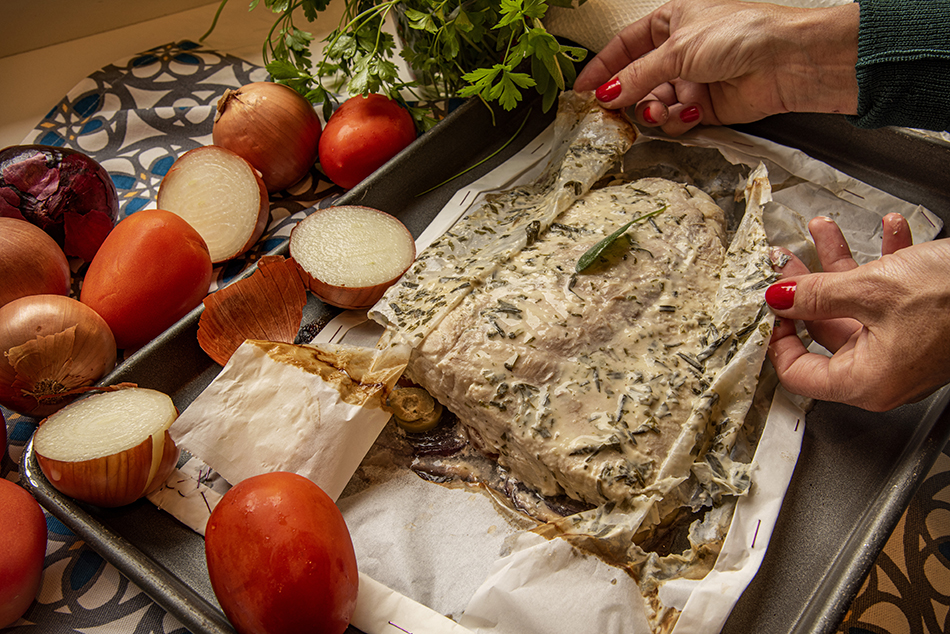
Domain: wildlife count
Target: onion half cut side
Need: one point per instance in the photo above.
(350, 255)
(109, 449)
(221, 196)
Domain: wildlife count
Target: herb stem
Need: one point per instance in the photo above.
(487, 158)
(214, 22)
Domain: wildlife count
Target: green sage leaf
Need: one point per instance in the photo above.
(594, 252)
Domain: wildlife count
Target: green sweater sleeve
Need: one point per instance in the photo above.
(904, 64)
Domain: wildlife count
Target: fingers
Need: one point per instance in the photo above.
(626, 48)
(674, 119)
(830, 333)
(896, 234)
(677, 107)
(632, 65)
(833, 250)
(800, 372)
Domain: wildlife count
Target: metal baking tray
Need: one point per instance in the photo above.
(855, 476)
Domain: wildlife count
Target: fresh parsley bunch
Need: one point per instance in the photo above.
(490, 49)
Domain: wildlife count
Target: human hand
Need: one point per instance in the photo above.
(721, 62)
(887, 322)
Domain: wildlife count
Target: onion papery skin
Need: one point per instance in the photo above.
(49, 345)
(31, 263)
(272, 127)
(64, 192)
(346, 297)
(115, 480)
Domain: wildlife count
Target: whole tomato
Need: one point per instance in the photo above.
(22, 551)
(280, 558)
(361, 135)
(150, 272)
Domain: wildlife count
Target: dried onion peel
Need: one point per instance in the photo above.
(267, 306)
(109, 449)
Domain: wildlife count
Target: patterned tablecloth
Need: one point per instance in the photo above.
(136, 117)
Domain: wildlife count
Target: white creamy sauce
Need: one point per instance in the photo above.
(580, 381)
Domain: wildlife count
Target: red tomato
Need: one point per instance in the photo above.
(22, 551)
(361, 135)
(150, 272)
(280, 558)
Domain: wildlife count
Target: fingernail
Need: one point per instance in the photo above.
(690, 114)
(609, 91)
(781, 296)
(647, 116)
(779, 258)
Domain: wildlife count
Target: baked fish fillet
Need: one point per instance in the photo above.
(588, 141)
(622, 384)
(581, 382)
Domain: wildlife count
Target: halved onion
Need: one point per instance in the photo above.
(109, 449)
(221, 196)
(350, 254)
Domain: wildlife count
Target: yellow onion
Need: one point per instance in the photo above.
(52, 347)
(272, 127)
(221, 196)
(109, 449)
(31, 263)
(350, 255)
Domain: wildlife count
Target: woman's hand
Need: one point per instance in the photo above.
(723, 62)
(887, 322)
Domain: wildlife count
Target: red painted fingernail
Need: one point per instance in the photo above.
(609, 91)
(781, 296)
(647, 116)
(689, 114)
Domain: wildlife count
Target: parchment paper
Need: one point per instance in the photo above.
(263, 414)
(444, 551)
(534, 586)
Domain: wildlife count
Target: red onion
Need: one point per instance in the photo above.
(64, 192)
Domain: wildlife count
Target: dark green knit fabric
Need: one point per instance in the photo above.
(904, 64)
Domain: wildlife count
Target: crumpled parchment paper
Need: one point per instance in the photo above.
(442, 551)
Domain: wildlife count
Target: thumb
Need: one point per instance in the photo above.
(819, 296)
